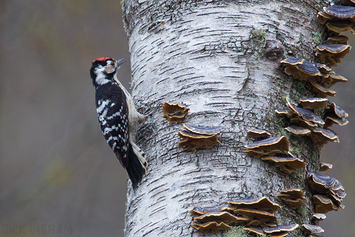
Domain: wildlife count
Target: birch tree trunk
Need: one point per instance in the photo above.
(214, 56)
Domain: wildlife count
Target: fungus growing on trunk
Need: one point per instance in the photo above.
(325, 166)
(313, 103)
(256, 217)
(335, 114)
(323, 204)
(252, 211)
(198, 211)
(210, 226)
(199, 137)
(219, 217)
(174, 113)
(287, 164)
(262, 204)
(317, 217)
(305, 120)
(292, 197)
(280, 230)
(338, 18)
(312, 229)
(258, 134)
(298, 130)
(268, 146)
(330, 54)
(322, 136)
(338, 39)
(319, 75)
(329, 192)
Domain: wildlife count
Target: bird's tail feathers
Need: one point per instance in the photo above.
(135, 168)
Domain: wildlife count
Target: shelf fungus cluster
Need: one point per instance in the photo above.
(333, 49)
(276, 231)
(317, 217)
(259, 212)
(328, 192)
(199, 137)
(292, 197)
(319, 75)
(334, 114)
(339, 18)
(306, 122)
(330, 54)
(256, 214)
(274, 150)
(174, 113)
(312, 229)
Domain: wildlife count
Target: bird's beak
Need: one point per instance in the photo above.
(120, 62)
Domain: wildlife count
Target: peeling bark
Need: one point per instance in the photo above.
(210, 55)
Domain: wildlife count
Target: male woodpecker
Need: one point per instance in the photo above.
(118, 117)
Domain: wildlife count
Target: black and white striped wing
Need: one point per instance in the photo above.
(112, 113)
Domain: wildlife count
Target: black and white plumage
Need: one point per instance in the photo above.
(118, 117)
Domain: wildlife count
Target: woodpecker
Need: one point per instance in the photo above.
(118, 116)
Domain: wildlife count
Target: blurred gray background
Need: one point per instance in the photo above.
(58, 177)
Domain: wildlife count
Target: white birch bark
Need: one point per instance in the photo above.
(206, 54)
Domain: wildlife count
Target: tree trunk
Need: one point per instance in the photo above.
(214, 56)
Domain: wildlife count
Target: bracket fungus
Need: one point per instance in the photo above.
(262, 204)
(313, 103)
(312, 229)
(219, 217)
(287, 164)
(329, 192)
(262, 218)
(199, 137)
(298, 130)
(198, 211)
(324, 204)
(255, 230)
(320, 183)
(325, 166)
(322, 136)
(258, 134)
(210, 226)
(215, 218)
(304, 114)
(330, 54)
(338, 39)
(306, 122)
(253, 211)
(286, 112)
(280, 230)
(335, 114)
(319, 75)
(317, 217)
(174, 113)
(292, 197)
(321, 90)
(300, 68)
(345, 2)
(268, 146)
(338, 18)
(203, 130)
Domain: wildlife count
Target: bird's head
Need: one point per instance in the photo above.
(103, 69)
